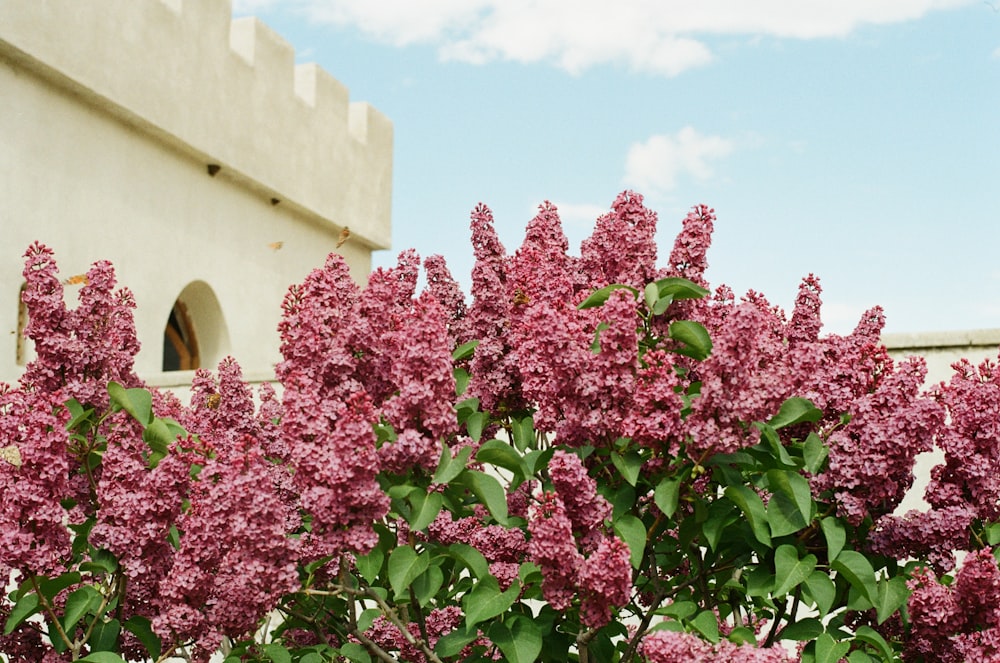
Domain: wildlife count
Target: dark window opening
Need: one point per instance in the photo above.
(21, 351)
(180, 345)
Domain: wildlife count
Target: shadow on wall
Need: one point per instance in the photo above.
(196, 335)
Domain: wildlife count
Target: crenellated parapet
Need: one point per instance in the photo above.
(226, 92)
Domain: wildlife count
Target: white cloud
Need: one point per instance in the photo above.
(657, 36)
(655, 165)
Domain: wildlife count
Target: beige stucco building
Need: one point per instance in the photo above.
(191, 151)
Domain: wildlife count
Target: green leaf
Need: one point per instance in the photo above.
(486, 600)
(795, 411)
(822, 590)
(859, 572)
(631, 530)
(404, 566)
(742, 635)
(694, 337)
(471, 558)
(783, 516)
(105, 635)
(622, 501)
(370, 565)
(770, 438)
(277, 653)
(475, 423)
(49, 587)
(752, 507)
(795, 487)
(595, 347)
(679, 288)
(353, 652)
(80, 602)
(449, 468)
(426, 508)
(537, 460)
(721, 514)
(523, 431)
(891, 596)
(427, 584)
(464, 351)
(142, 629)
(462, 379)
(137, 402)
(158, 437)
(501, 454)
(667, 496)
(78, 414)
(790, 570)
(760, 582)
(680, 609)
(802, 630)
(829, 650)
(650, 295)
(599, 296)
(174, 537)
(102, 657)
(707, 624)
(451, 644)
(26, 606)
(814, 452)
(489, 492)
(835, 534)
(870, 636)
(628, 465)
(519, 638)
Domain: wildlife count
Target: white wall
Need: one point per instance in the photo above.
(107, 128)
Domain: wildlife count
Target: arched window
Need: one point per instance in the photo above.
(180, 343)
(21, 352)
(195, 335)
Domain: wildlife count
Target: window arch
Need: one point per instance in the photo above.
(196, 334)
(21, 347)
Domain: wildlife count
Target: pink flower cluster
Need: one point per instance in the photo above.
(965, 488)
(34, 482)
(77, 351)
(503, 548)
(591, 383)
(353, 359)
(957, 622)
(227, 488)
(570, 519)
(680, 647)
(437, 623)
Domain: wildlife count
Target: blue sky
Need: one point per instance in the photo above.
(857, 140)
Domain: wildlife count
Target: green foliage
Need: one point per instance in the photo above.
(718, 545)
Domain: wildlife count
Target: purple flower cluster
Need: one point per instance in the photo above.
(680, 647)
(353, 359)
(957, 622)
(34, 482)
(77, 351)
(201, 536)
(568, 520)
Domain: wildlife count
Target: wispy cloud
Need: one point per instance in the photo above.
(655, 165)
(663, 37)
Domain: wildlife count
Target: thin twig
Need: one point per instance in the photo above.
(52, 615)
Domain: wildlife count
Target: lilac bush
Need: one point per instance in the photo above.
(593, 458)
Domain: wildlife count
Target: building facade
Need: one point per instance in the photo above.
(192, 152)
